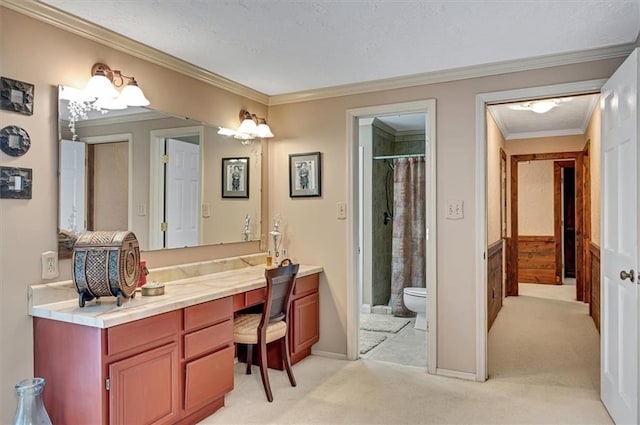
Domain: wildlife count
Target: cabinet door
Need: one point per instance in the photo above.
(145, 388)
(208, 379)
(305, 325)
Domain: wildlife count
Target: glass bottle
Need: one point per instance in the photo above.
(30, 409)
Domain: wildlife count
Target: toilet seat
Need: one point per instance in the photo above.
(416, 292)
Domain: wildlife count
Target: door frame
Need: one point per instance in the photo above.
(559, 196)
(482, 101)
(354, 190)
(156, 177)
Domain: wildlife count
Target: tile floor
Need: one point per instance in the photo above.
(407, 347)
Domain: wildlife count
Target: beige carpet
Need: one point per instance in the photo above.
(543, 366)
(553, 292)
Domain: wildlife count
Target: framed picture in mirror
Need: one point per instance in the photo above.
(235, 177)
(16, 96)
(304, 175)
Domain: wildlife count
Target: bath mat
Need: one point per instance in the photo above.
(369, 340)
(382, 322)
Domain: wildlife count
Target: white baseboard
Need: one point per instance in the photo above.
(456, 374)
(365, 308)
(329, 354)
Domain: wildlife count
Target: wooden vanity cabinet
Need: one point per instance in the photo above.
(170, 368)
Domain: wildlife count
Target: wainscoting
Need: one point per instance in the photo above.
(494, 281)
(594, 283)
(537, 259)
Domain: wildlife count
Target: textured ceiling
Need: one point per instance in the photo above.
(286, 46)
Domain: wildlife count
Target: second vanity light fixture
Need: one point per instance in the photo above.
(251, 126)
(101, 88)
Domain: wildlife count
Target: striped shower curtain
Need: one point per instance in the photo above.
(408, 241)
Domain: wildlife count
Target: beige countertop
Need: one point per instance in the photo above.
(178, 294)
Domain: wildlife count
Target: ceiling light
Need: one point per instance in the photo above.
(537, 106)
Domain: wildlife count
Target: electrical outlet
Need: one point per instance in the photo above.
(49, 265)
(341, 210)
(455, 210)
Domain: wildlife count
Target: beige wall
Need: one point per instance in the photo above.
(316, 235)
(495, 141)
(593, 136)
(40, 54)
(111, 207)
(535, 198)
(47, 57)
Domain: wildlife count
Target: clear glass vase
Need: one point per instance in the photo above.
(30, 409)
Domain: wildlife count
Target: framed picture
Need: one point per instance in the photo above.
(304, 175)
(16, 96)
(235, 177)
(15, 183)
(14, 140)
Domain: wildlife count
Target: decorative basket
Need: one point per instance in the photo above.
(106, 263)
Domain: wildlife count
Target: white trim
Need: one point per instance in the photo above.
(482, 100)
(456, 74)
(67, 22)
(111, 138)
(455, 374)
(587, 118)
(156, 178)
(537, 134)
(119, 119)
(353, 305)
(328, 354)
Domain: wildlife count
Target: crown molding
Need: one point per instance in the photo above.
(455, 74)
(67, 22)
(541, 134)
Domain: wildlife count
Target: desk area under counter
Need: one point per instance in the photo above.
(164, 359)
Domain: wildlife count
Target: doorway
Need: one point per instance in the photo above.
(482, 101)
(360, 235)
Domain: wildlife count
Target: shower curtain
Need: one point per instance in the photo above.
(408, 241)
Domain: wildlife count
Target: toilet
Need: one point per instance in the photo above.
(415, 299)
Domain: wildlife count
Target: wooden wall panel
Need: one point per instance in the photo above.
(537, 259)
(494, 281)
(594, 268)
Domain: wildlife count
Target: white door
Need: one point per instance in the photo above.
(71, 214)
(182, 199)
(619, 251)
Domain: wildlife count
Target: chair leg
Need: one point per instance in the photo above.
(286, 359)
(249, 358)
(263, 370)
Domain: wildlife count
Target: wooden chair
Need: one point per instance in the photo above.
(271, 325)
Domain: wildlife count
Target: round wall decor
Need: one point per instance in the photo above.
(14, 140)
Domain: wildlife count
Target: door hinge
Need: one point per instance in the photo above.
(165, 159)
(107, 383)
(164, 227)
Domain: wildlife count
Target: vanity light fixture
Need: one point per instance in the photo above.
(251, 126)
(101, 88)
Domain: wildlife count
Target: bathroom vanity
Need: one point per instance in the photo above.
(164, 359)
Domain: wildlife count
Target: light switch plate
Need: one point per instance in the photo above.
(206, 210)
(455, 210)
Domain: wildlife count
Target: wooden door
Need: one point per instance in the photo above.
(569, 221)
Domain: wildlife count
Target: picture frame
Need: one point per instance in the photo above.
(14, 140)
(16, 96)
(305, 172)
(235, 177)
(16, 183)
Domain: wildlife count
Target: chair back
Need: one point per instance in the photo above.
(280, 282)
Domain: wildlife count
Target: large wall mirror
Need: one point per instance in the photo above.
(158, 175)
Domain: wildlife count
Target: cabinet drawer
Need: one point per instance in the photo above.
(143, 333)
(208, 313)
(208, 339)
(306, 284)
(255, 297)
(208, 379)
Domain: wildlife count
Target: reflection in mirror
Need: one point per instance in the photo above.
(155, 174)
